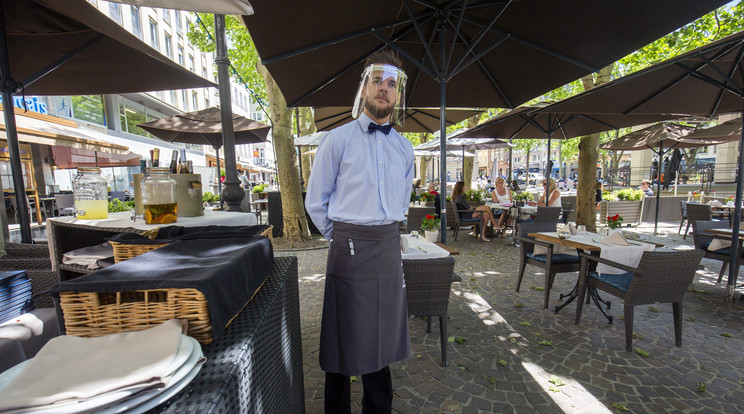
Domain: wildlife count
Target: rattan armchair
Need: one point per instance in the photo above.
(427, 292)
(415, 215)
(702, 240)
(551, 263)
(660, 277)
(696, 212)
(470, 222)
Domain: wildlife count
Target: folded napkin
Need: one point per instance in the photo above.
(572, 228)
(89, 256)
(616, 238)
(403, 244)
(540, 250)
(715, 203)
(70, 369)
(629, 255)
(719, 244)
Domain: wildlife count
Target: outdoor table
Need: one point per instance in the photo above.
(259, 205)
(69, 233)
(591, 244)
(256, 366)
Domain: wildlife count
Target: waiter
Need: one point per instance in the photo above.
(357, 195)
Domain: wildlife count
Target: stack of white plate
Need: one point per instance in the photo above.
(186, 364)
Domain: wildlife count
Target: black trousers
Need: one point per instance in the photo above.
(378, 393)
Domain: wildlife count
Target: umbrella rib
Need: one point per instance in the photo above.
(591, 118)
(708, 79)
(54, 65)
(418, 72)
(456, 33)
(490, 77)
(531, 120)
(731, 75)
(534, 45)
(421, 124)
(338, 39)
(392, 45)
(478, 38)
(412, 16)
(720, 73)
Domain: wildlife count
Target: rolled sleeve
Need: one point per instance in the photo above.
(321, 184)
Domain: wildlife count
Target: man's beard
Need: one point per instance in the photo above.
(378, 112)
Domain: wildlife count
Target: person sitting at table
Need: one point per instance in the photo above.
(646, 187)
(482, 212)
(500, 195)
(598, 190)
(552, 194)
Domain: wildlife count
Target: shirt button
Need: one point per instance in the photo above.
(380, 162)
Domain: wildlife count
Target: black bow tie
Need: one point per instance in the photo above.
(385, 129)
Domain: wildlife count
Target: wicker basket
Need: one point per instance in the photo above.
(93, 314)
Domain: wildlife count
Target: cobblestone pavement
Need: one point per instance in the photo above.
(516, 357)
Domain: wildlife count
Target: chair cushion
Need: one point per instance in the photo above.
(557, 258)
(621, 281)
(705, 244)
(526, 221)
(724, 250)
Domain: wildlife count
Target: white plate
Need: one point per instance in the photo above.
(180, 379)
(188, 347)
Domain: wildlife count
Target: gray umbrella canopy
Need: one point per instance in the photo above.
(70, 48)
(312, 140)
(416, 119)
(725, 132)
(456, 53)
(205, 127)
(236, 7)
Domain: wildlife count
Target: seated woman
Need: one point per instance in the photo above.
(552, 192)
(482, 212)
(501, 194)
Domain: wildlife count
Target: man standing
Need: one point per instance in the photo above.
(357, 194)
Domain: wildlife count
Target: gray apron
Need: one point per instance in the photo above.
(365, 319)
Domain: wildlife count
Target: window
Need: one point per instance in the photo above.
(132, 114)
(204, 72)
(154, 35)
(194, 103)
(174, 98)
(136, 21)
(180, 55)
(191, 63)
(179, 28)
(168, 46)
(166, 16)
(188, 26)
(115, 12)
(185, 100)
(206, 101)
(87, 108)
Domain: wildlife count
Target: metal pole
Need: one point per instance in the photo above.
(231, 193)
(9, 86)
(219, 177)
(658, 187)
(734, 264)
(443, 132)
(299, 152)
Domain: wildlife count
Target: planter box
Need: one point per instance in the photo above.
(630, 211)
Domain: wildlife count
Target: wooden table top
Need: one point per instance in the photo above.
(452, 251)
(584, 242)
(727, 233)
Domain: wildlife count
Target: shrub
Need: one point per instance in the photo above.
(474, 196)
(209, 197)
(117, 205)
(628, 194)
(259, 188)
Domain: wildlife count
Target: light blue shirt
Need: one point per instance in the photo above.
(360, 178)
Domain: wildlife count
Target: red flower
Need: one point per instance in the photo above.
(434, 192)
(609, 218)
(616, 217)
(430, 217)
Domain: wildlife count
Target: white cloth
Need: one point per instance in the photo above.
(719, 244)
(419, 248)
(89, 256)
(557, 248)
(628, 254)
(70, 368)
(501, 199)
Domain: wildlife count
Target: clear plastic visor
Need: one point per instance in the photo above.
(382, 86)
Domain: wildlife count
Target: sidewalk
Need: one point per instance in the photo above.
(510, 355)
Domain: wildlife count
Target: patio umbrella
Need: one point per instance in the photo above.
(457, 53)
(205, 127)
(70, 48)
(705, 81)
(236, 7)
(312, 140)
(416, 119)
(462, 144)
(659, 138)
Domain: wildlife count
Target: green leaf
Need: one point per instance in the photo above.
(525, 323)
(726, 335)
(472, 279)
(518, 305)
(690, 319)
(701, 387)
(353, 379)
(636, 336)
(459, 340)
(545, 342)
(640, 352)
(504, 363)
(553, 389)
(540, 288)
(513, 339)
(555, 380)
(620, 407)
(652, 309)
(451, 339)
(473, 254)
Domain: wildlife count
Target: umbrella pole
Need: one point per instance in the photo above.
(299, 152)
(443, 135)
(219, 177)
(233, 193)
(9, 86)
(735, 245)
(658, 189)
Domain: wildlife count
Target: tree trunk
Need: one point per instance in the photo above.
(307, 127)
(295, 224)
(467, 165)
(586, 209)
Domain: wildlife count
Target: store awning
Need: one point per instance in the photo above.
(67, 157)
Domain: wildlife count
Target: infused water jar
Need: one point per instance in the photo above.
(90, 192)
(159, 197)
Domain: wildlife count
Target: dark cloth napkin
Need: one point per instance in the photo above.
(173, 233)
(228, 270)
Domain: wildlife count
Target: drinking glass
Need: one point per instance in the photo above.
(581, 229)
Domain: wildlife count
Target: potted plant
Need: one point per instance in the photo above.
(474, 197)
(521, 198)
(430, 225)
(627, 203)
(614, 221)
(427, 199)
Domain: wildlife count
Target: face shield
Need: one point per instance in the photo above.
(382, 92)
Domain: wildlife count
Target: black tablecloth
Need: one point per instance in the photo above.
(227, 270)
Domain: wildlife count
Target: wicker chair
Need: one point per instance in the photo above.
(459, 222)
(551, 263)
(660, 277)
(702, 240)
(415, 215)
(427, 292)
(697, 212)
(65, 204)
